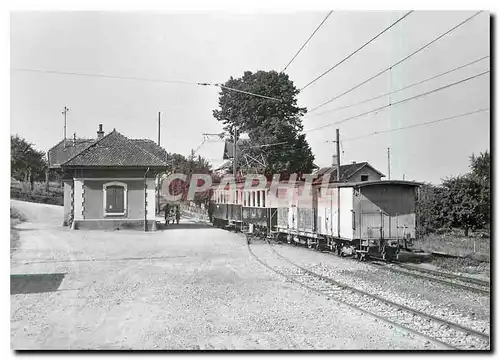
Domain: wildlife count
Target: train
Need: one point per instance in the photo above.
(367, 219)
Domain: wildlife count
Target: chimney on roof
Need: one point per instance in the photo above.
(100, 133)
(354, 162)
(74, 139)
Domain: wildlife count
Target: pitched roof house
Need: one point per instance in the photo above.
(109, 182)
(354, 172)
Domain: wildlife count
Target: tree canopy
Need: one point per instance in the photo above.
(27, 163)
(267, 121)
(459, 202)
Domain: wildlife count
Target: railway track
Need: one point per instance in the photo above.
(439, 331)
(453, 280)
(457, 281)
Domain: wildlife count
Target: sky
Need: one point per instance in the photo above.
(213, 46)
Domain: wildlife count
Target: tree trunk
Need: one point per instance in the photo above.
(466, 232)
(47, 181)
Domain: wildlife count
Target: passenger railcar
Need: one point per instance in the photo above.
(259, 210)
(226, 207)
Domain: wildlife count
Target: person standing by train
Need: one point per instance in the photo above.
(177, 214)
(166, 209)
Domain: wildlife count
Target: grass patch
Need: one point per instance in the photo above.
(474, 248)
(463, 265)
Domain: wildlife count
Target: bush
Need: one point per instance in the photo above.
(38, 196)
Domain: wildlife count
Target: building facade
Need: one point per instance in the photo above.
(109, 183)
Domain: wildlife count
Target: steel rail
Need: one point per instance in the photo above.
(463, 329)
(352, 306)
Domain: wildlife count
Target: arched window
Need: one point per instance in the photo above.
(115, 198)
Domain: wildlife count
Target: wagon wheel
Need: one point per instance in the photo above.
(317, 246)
(384, 255)
(338, 250)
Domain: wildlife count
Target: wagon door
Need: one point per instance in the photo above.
(327, 222)
(374, 225)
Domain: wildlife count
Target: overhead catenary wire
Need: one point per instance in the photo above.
(104, 76)
(395, 64)
(416, 125)
(402, 88)
(135, 78)
(399, 102)
(307, 41)
(246, 92)
(355, 51)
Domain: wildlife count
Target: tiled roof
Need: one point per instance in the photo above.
(346, 171)
(60, 153)
(114, 149)
(152, 147)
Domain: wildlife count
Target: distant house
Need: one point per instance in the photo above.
(354, 172)
(109, 182)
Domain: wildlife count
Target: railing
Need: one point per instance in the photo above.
(197, 212)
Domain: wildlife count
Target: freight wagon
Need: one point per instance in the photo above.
(364, 219)
(367, 219)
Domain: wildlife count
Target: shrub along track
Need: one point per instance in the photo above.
(436, 330)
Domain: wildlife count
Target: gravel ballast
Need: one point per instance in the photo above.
(190, 287)
(466, 308)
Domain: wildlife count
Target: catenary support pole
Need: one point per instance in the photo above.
(389, 163)
(65, 112)
(157, 212)
(338, 181)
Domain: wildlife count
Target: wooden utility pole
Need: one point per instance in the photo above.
(65, 112)
(389, 163)
(159, 175)
(338, 154)
(159, 119)
(338, 181)
(235, 156)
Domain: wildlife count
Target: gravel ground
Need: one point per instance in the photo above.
(187, 287)
(463, 307)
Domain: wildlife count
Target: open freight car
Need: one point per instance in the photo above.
(367, 219)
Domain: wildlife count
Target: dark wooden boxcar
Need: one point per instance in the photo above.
(385, 216)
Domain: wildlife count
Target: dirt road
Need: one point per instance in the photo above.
(187, 287)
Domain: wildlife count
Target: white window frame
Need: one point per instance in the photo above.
(105, 191)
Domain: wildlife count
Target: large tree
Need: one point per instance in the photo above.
(431, 212)
(463, 201)
(27, 163)
(481, 173)
(267, 121)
